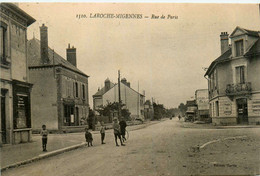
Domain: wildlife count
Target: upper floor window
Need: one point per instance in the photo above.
(240, 74)
(83, 91)
(76, 89)
(3, 43)
(239, 48)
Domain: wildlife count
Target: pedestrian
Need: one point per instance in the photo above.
(179, 117)
(117, 134)
(88, 137)
(44, 134)
(123, 125)
(102, 132)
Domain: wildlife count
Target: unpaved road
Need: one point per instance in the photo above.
(161, 149)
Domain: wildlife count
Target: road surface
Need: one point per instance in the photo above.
(165, 148)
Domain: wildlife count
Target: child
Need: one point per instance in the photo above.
(88, 137)
(44, 134)
(102, 132)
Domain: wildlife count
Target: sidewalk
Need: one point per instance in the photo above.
(15, 155)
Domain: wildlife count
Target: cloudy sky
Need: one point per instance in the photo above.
(166, 56)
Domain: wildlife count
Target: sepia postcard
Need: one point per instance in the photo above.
(129, 89)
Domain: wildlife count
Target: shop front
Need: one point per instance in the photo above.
(21, 112)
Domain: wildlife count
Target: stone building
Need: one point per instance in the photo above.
(233, 79)
(60, 95)
(202, 101)
(133, 100)
(14, 76)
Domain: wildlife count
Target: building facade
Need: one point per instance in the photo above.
(202, 101)
(233, 83)
(133, 100)
(60, 96)
(148, 110)
(14, 77)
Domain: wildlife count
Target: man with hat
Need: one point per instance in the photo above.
(117, 134)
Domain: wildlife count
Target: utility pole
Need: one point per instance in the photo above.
(119, 96)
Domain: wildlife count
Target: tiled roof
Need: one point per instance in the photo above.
(254, 50)
(253, 33)
(222, 57)
(34, 57)
(102, 90)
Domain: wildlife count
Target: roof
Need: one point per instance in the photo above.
(191, 103)
(19, 12)
(34, 57)
(102, 90)
(254, 50)
(225, 56)
(246, 31)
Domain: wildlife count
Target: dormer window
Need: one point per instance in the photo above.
(239, 48)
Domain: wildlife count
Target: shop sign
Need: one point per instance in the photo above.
(227, 109)
(256, 106)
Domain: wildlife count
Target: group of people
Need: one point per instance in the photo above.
(119, 133)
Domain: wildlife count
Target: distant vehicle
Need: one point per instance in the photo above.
(188, 118)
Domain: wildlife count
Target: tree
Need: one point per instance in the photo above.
(182, 108)
(159, 111)
(113, 107)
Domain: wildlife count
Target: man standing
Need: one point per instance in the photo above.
(102, 132)
(123, 125)
(117, 134)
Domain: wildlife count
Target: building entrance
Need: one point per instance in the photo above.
(242, 112)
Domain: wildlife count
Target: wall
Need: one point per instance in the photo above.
(202, 99)
(129, 97)
(43, 99)
(253, 70)
(18, 53)
(224, 77)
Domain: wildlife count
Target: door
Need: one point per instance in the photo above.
(3, 116)
(242, 113)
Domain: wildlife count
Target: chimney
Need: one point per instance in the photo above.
(44, 44)
(71, 55)
(224, 42)
(124, 81)
(107, 85)
(128, 84)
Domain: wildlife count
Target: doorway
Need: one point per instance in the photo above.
(3, 115)
(242, 112)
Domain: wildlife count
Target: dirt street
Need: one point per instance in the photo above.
(165, 148)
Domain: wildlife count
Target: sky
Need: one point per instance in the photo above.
(165, 57)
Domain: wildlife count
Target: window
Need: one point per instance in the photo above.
(217, 108)
(76, 89)
(239, 48)
(21, 117)
(83, 91)
(3, 43)
(240, 74)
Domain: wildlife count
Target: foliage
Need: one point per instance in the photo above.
(182, 108)
(112, 107)
(159, 111)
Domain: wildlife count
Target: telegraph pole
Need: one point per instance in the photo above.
(119, 96)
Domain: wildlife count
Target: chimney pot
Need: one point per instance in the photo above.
(71, 55)
(224, 45)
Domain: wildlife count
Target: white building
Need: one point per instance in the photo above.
(133, 100)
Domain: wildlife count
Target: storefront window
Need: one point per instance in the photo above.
(22, 119)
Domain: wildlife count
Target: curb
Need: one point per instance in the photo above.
(43, 156)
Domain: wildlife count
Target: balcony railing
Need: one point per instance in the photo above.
(240, 88)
